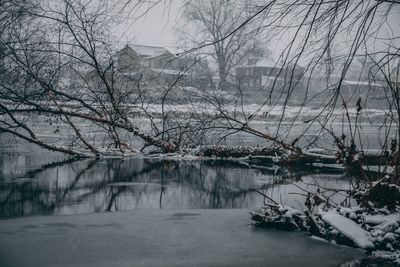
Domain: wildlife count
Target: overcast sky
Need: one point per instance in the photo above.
(157, 27)
(154, 28)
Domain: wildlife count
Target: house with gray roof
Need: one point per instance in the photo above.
(156, 58)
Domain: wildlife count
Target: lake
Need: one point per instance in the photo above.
(46, 184)
(151, 211)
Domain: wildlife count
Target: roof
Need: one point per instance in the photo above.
(257, 65)
(263, 62)
(149, 51)
(360, 83)
(170, 72)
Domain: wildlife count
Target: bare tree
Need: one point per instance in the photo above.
(216, 30)
(319, 35)
(60, 65)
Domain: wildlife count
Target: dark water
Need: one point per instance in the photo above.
(40, 183)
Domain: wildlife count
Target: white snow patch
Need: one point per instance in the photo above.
(387, 255)
(319, 238)
(379, 219)
(289, 212)
(132, 184)
(349, 229)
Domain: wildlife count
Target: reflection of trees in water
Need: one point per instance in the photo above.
(116, 184)
(25, 197)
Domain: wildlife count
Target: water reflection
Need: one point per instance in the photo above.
(33, 184)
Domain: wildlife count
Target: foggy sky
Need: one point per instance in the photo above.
(157, 27)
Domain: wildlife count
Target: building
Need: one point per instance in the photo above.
(257, 74)
(157, 64)
(154, 57)
(258, 79)
(372, 94)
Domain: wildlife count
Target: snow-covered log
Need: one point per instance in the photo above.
(349, 229)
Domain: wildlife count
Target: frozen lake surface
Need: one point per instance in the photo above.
(160, 238)
(150, 212)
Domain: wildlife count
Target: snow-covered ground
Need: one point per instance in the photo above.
(260, 110)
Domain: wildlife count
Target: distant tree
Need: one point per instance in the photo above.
(45, 44)
(316, 35)
(217, 29)
(363, 31)
(60, 66)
